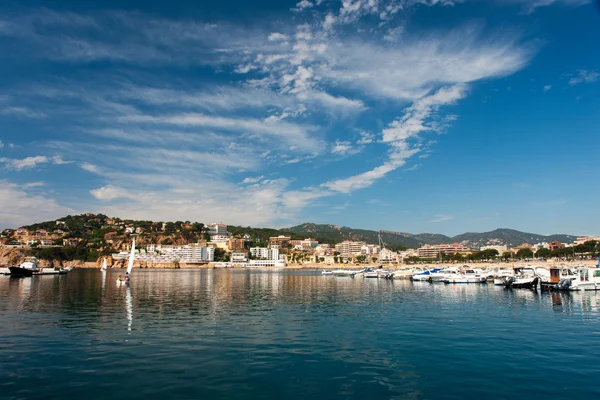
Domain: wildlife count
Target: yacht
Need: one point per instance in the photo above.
(425, 275)
(555, 276)
(585, 279)
(526, 278)
(324, 272)
(27, 268)
(467, 276)
(501, 275)
(446, 273)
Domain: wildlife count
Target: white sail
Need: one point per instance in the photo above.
(104, 266)
(131, 258)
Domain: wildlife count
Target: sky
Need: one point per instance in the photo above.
(442, 116)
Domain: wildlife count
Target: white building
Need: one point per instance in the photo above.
(265, 253)
(190, 254)
(498, 248)
(370, 249)
(217, 230)
(266, 263)
(386, 256)
(349, 249)
(238, 257)
(219, 239)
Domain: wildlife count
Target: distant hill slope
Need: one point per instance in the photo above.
(509, 237)
(94, 228)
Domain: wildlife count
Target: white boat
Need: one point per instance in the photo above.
(326, 272)
(104, 265)
(371, 274)
(526, 278)
(501, 275)
(127, 278)
(424, 276)
(344, 272)
(585, 279)
(446, 273)
(27, 268)
(468, 276)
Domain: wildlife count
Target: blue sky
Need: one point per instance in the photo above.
(438, 116)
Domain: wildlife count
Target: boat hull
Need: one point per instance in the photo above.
(18, 271)
(523, 283)
(465, 280)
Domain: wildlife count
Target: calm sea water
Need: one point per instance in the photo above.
(226, 334)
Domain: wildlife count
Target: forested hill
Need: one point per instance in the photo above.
(507, 237)
(103, 233)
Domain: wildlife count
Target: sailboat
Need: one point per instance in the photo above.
(129, 266)
(104, 266)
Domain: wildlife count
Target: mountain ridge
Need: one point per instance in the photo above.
(500, 236)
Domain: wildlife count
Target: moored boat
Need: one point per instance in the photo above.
(26, 269)
(324, 272)
(525, 278)
(585, 279)
(467, 276)
(424, 276)
(444, 274)
(501, 275)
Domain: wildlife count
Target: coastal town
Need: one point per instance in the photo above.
(185, 244)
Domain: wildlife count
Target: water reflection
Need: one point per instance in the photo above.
(240, 334)
(129, 307)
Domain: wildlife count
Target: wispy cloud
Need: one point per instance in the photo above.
(441, 218)
(25, 163)
(584, 76)
(547, 88)
(294, 87)
(17, 207)
(549, 203)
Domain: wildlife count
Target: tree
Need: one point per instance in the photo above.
(543, 253)
(221, 255)
(458, 257)
(507, 255)
(488, 254)
(524, 253)
(361, 259)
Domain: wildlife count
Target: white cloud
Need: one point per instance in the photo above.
(26, 163)
(341, 147)
(584, 76)
(303, 5)
(442, 218)
(21, 112)
(33, 185)
(277, 37)
(253, 180)
(165, 139)
(90, 168)
(58, 160)
(109, 192)
(547, 88)
(18, 208)
(292, 134)
(366, 138)
(533, 5)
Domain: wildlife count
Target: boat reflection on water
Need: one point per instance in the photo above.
(129, 307)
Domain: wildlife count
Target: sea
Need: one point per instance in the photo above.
(246, 334)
